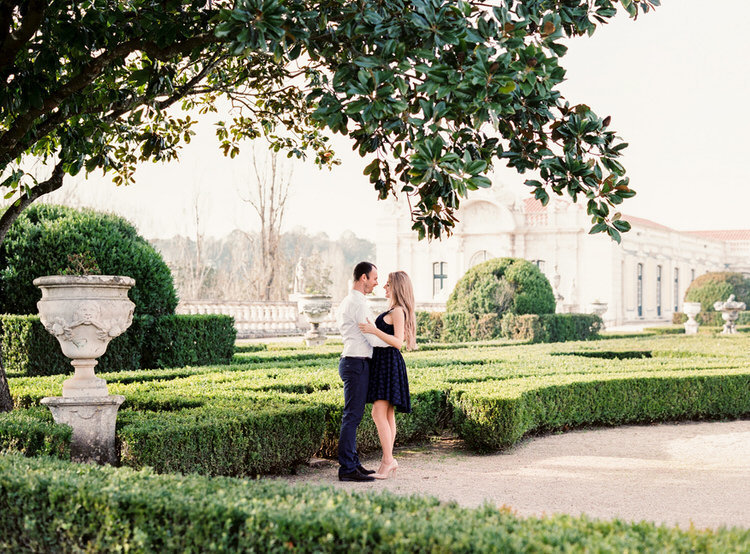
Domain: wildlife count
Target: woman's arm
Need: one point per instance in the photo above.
(397, 338)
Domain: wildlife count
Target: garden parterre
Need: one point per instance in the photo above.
(273, 408)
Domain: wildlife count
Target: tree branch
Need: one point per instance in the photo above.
(13, 42)
(10, 141)
(14, 210)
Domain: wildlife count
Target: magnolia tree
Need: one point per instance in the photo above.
(431, 92)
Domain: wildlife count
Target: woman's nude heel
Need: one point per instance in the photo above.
(389, 471)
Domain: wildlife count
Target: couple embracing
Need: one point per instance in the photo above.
(372, 367)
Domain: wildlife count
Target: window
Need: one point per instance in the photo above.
(639, 289)
(676, 289)
(658, 291)
(539, 264)
(479, 257)
(438, 277)
(692, 275)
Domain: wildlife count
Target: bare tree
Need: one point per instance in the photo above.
(189, 267)
(268, 197)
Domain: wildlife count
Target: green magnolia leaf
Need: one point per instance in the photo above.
(443, 87)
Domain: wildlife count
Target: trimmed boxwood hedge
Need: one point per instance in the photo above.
(491, 418)
(263, 437)
(33, 433)
(200, 419)
(168, 341)
(49, 505)
(551, 327)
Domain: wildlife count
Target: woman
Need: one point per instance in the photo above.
(388, 389)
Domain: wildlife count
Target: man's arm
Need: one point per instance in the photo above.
(363, 315)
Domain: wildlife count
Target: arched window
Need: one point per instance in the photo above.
(479, 257)
(639, 289)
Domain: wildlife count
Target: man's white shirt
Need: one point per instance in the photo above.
(353, 310)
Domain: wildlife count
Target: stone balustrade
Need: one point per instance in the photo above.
(256, 319)
(269, 319)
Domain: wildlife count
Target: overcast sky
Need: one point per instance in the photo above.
(676, 83)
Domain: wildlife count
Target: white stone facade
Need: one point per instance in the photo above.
(642, 280)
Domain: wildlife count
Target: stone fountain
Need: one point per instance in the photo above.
(730, 311)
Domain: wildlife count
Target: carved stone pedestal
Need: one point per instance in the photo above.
(93, 421)
(314, 337)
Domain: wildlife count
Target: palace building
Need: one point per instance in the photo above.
(641, 280)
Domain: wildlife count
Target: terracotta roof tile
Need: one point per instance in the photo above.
(533, 206)
(729, 234)
(642, 222)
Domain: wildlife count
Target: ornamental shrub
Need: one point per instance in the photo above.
(41, 239)
(715, 287)
(490, 290)
(503, 285)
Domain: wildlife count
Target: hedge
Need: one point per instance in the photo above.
(168, 341)
(33, 433)
(490, 419)
(50, 505)
(258, 438)
(429, 325)
(551, 327)
(266, 415)
(502, 285)
(178, 340)
(465, 327)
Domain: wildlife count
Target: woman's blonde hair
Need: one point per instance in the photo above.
(402, 294)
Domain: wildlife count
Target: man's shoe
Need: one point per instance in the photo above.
(354, 476)
(365, 471)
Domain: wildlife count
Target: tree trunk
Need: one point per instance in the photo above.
(6, 400)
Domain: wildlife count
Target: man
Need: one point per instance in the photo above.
(354, 369)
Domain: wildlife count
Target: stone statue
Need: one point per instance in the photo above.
(299, 277)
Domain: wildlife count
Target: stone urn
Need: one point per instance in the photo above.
(315, 308)
(84, 313)
(730, 311)
(691, 309)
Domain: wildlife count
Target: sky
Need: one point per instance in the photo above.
(676, 83)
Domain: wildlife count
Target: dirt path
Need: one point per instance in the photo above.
(676, 474)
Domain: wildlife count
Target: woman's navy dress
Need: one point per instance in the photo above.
(388, 379)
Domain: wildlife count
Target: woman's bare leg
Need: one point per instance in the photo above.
(392, 424)
(380, 417)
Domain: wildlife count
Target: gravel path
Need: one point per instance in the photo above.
(675, 474)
